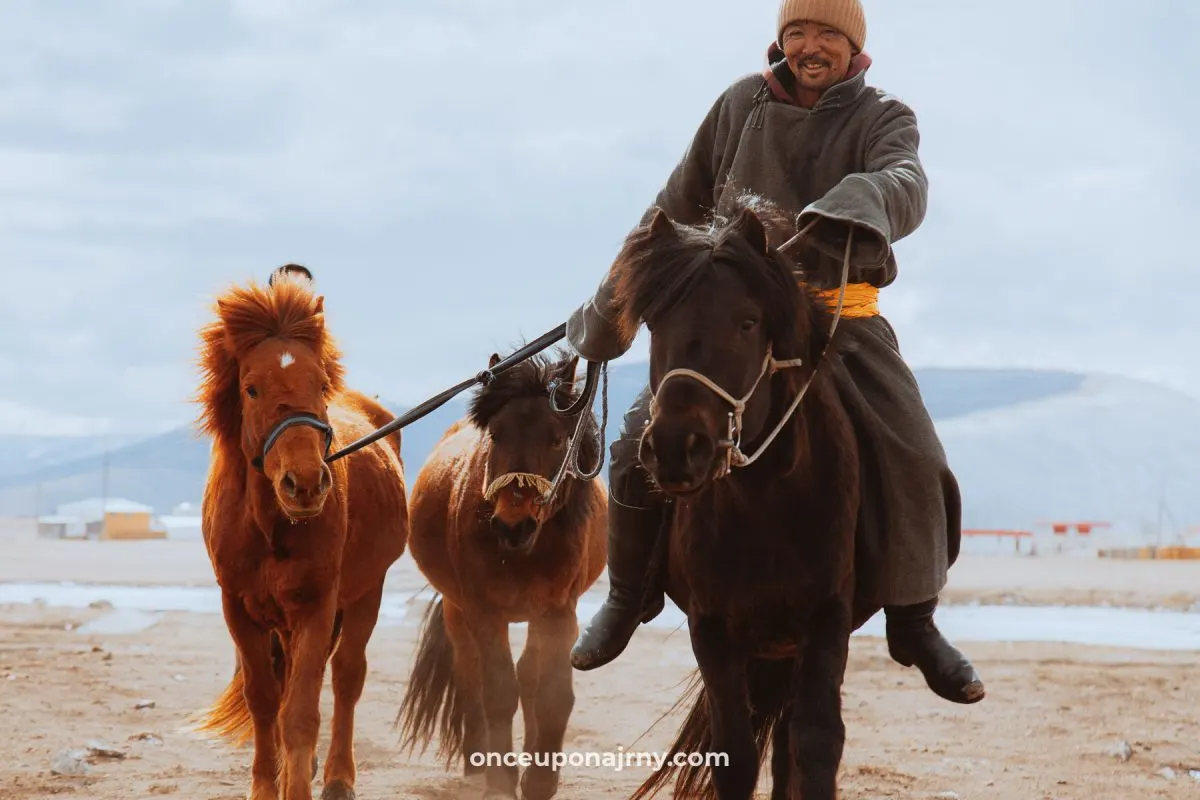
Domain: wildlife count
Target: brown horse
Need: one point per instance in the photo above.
(764, 492)
(299, 546)
(497, 557)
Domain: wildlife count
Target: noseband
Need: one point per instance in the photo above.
(309, 420)
(732, 444)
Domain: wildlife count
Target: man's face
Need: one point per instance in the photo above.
(818, 54)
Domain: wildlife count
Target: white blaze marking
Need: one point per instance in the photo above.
(286, 360)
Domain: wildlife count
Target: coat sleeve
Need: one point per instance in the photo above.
(883, 203)
(687, 198)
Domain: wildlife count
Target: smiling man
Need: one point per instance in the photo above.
(812, 137)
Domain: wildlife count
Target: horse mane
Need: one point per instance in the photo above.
(659, 265)
(247, 316)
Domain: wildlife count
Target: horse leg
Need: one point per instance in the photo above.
(554, 634)
(781, 757)
(527, 683)
(724, 672)
(349, 675)
(818, 733)
(301, 712)
(468, 681)
(500, 695)
(261, 690)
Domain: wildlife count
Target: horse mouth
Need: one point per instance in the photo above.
(295, 515)
(518, 538)
(682, 489)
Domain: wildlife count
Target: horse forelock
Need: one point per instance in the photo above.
(528, 379)
(245, 317)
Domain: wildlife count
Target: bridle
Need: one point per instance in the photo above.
(732, 443)
(303, 418)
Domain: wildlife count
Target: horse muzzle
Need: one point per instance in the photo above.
(681, 459)
(302, 496)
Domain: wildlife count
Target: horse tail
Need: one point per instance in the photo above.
(432, 705)
(769, 687)
(229, 717)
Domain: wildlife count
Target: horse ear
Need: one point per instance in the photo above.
(661, 225)
(494, 360)
(752, 230)
(320, 304)
(566, 370)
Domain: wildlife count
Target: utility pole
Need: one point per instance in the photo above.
(104, 491)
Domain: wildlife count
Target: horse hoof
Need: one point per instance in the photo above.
(338, 790)
(539, 784)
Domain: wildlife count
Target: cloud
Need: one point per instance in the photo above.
(460, 175)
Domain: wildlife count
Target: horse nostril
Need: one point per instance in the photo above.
(699, 448)
(289, 484)
(326, 480)
(646, 453)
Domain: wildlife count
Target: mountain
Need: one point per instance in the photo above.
(1026, 445)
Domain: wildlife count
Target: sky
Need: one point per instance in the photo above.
(459, 176)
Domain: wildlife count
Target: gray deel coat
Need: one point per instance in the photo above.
(851, 159)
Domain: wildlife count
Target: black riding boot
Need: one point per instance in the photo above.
(635, 519)
(914, 640)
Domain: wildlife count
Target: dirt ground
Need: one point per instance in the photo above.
(1048, 729)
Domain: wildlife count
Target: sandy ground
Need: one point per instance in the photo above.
(1052, 716)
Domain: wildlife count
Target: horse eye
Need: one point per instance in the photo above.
(748, 324)
(251, 392)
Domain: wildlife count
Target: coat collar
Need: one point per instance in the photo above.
(782, 82)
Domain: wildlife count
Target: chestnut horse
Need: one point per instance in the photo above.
(497, 556)
(299, 546)
(749, 440)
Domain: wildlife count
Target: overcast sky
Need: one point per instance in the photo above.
(459, 174)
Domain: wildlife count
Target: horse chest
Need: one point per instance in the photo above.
(522, 585)
(275, 588)
(747, 561)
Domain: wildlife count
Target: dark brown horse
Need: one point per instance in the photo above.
(749, 440)
(497, 557)
(299, 546)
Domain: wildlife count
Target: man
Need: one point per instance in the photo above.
(812, 137)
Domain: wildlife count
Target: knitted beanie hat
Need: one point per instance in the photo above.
(845, 15)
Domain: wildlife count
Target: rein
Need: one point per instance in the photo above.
(733, 442)
(482, 378)
(570, 464)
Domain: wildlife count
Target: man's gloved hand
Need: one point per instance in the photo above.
(827, 236)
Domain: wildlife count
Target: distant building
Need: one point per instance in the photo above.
(182, 526)
(96, 518)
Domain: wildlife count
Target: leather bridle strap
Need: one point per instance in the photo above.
(309, 420)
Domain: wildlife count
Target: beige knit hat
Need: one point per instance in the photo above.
(845, 15)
